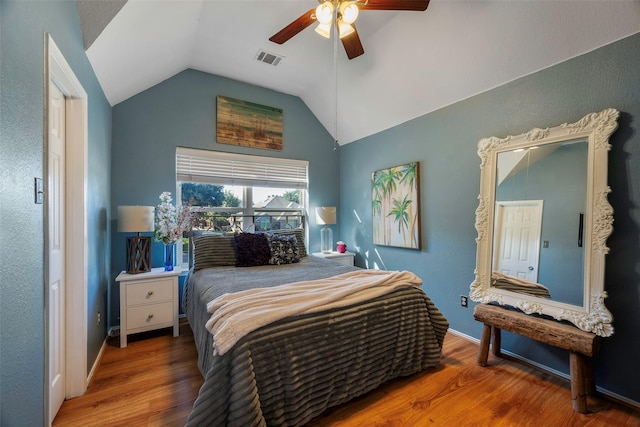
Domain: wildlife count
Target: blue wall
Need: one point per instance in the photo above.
(445, 142)
(23, 24)
(181, 111)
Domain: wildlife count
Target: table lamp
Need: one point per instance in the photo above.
(137, 219)
(326, 216)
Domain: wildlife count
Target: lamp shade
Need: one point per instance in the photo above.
(135, 219)
(324, 12)
(324, 30)
(326, 215)
(344, 29)
(348, 12)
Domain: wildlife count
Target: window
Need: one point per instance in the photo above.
(235, 191)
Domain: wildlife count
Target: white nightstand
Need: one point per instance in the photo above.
(345, 258)
(148, 301)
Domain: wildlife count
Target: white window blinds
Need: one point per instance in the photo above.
(215, 167)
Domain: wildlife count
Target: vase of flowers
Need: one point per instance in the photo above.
(170, 225)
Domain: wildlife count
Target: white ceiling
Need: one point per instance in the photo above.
(414, 62)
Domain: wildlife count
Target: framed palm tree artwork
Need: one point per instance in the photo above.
(395, 203)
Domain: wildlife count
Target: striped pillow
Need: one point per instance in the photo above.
(299, 233)
(213, 251)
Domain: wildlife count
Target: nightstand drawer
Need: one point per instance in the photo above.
(343, 259)
(149, 291)
(147, 316)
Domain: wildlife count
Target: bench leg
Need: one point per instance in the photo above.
(485, 339)
(497, 342)
(577, 365)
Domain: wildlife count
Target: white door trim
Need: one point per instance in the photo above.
(58, 70)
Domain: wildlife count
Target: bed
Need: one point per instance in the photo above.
(291, 370)
(519, 285)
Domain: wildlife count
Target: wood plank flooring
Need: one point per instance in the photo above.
(155, 380)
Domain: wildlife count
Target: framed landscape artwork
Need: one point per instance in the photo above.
(395, 204)
(248, 124)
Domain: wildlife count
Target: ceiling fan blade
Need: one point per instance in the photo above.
(294, 28)
(352, 44)
(417, 5)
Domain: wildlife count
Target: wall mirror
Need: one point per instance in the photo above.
(543, 220)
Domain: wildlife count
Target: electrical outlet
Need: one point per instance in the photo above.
(99, 318)
(464, 301)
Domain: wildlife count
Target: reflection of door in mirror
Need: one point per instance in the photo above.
(517, 238)
(556, 174)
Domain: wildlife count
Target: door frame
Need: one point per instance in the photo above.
(57, 70)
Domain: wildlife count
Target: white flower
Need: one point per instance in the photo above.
(171, 224)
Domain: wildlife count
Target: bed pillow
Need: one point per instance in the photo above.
(211, 250)
(252, 249)
(284, 249)
(299, 233)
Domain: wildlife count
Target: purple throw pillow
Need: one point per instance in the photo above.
(252, 249)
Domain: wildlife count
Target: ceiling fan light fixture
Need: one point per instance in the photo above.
(324, 13)
(342, 14)
(344, 29)
(324, 29)
(348, 12)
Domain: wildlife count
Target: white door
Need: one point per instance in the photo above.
(517, 241)
(56, 249)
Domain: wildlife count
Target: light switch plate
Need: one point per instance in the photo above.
(39, 191)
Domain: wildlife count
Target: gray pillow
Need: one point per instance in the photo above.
(299, 233)
(213, 251)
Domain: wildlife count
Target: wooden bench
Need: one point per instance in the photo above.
(581, 345)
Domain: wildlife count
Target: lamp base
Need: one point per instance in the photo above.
(138, 254)
(326, 239)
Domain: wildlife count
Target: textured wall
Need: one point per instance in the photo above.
(23, 24)
(445, 141)
(181, 111)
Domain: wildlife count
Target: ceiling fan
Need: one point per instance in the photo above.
(343, 14)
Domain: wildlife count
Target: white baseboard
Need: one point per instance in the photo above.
(467, 337)
(96, 363)
(610, 394)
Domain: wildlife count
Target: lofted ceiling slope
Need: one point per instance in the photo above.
(414, 62)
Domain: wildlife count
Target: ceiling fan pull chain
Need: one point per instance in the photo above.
(335, 75)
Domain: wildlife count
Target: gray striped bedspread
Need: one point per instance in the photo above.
(288, 372)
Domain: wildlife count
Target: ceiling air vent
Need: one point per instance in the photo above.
(268, 58)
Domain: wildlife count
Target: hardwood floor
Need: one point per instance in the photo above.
(154, 381)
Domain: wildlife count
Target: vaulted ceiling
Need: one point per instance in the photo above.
(414, 62)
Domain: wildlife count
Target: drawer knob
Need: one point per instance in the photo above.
(150, 316)
(150, 293)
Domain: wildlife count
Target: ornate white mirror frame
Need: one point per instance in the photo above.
(592, 316)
